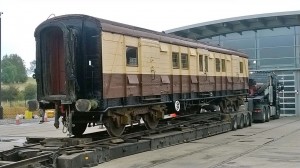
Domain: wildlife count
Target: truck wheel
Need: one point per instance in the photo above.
(234, 123)
(263, 115)
(277, 116)
(267, 113)
(241, 125)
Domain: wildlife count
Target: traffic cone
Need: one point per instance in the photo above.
(46, 117)
(17, 119)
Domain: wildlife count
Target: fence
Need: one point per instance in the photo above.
(12, 108)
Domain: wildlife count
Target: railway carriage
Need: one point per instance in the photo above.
(98, 71)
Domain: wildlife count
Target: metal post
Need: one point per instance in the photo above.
(1, 108)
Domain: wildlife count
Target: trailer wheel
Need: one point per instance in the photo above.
(247, 120)
(250, 119)
(241, 125)
(234, 123)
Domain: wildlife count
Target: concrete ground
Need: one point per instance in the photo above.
(15, 135)
(273, 144)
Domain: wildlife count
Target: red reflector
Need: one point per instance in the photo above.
(257, 110)
(173, 115)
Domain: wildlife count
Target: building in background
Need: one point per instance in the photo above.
(272, 42)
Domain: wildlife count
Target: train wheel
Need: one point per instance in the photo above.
(150, 120)
(113, 128)
(78, 129)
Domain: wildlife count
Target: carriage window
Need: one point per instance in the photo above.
(131, 56)
(184, 61)
(223, 65)
(201, 63)
(218, 66)
(241, 67)
(175, 60)
(206, 63)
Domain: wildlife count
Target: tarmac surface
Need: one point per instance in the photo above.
(274, 144)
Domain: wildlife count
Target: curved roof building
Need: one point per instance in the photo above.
(272, 42)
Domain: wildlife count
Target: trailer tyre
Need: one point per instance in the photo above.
(247, 120)
(250, 119)
(234, 123)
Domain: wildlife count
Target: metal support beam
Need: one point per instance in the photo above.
(262, 21)
(281, 20)
(229, 26)
(212, 28)
(245, 23)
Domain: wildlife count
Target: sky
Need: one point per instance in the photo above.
(21, 17)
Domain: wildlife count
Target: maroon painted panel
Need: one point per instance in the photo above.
(55, 48)
(121, 85)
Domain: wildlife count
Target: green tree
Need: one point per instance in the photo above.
(13, 69)
(30, 92)
(9, 73)
(11, 93)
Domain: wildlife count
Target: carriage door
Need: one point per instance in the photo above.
(56, 61)
(150, 51)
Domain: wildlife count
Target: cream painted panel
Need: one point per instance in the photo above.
(245, 67)
(175, 48)
(184, 50)
(112, 53)
(228, 65)
(150, 56)
(217, 55)
(193, 51)
(223, 56)
(202, 51)
(235, 66)
(211, 65)
(131, 41)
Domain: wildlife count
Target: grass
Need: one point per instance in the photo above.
(11, 109)
(21, 86)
